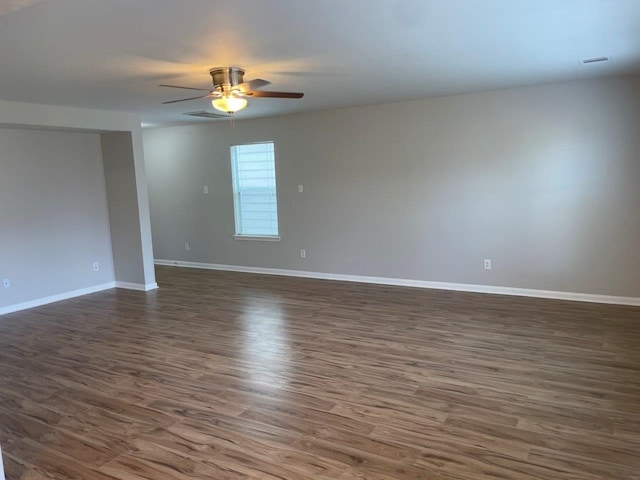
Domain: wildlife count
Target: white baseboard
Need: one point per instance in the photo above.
(76, 293)
(137, 286)
(56, 298)
(460, 287)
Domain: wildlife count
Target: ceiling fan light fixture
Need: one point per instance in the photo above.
(229, 104)
(230, 89)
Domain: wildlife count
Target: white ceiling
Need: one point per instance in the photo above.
(112, 54)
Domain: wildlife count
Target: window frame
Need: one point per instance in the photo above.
(236, 195)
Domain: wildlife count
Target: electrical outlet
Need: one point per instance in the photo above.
(96, 266)
(303, 253)
(300, 188)
(206, 189)
(487, 264)
(187, 247)
(6, 283)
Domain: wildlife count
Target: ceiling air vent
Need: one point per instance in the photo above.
(590, 61)
(205, 114)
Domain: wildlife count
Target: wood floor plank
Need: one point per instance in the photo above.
(16, 426)
(36, 457)
(151, 462)
(364, 460)
(236, 376)
(469, 463)
(250, 430)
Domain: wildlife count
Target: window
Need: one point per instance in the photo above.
(253, 171)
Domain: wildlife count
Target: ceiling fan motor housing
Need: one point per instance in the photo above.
(225, 78)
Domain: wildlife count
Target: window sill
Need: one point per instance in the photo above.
(271, 238)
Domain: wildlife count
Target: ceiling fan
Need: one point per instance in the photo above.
(230, 91)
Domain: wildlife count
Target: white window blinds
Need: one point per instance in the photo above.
(254, 189)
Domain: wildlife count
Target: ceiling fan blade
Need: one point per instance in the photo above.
(185, 99)
(260, 93)
(187, 88)
(252, 85)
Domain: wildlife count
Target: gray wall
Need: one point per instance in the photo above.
(31, 119)
(54, 221)
(542, 180)
(124, 215)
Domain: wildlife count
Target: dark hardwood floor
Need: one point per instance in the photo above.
(231, 376)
